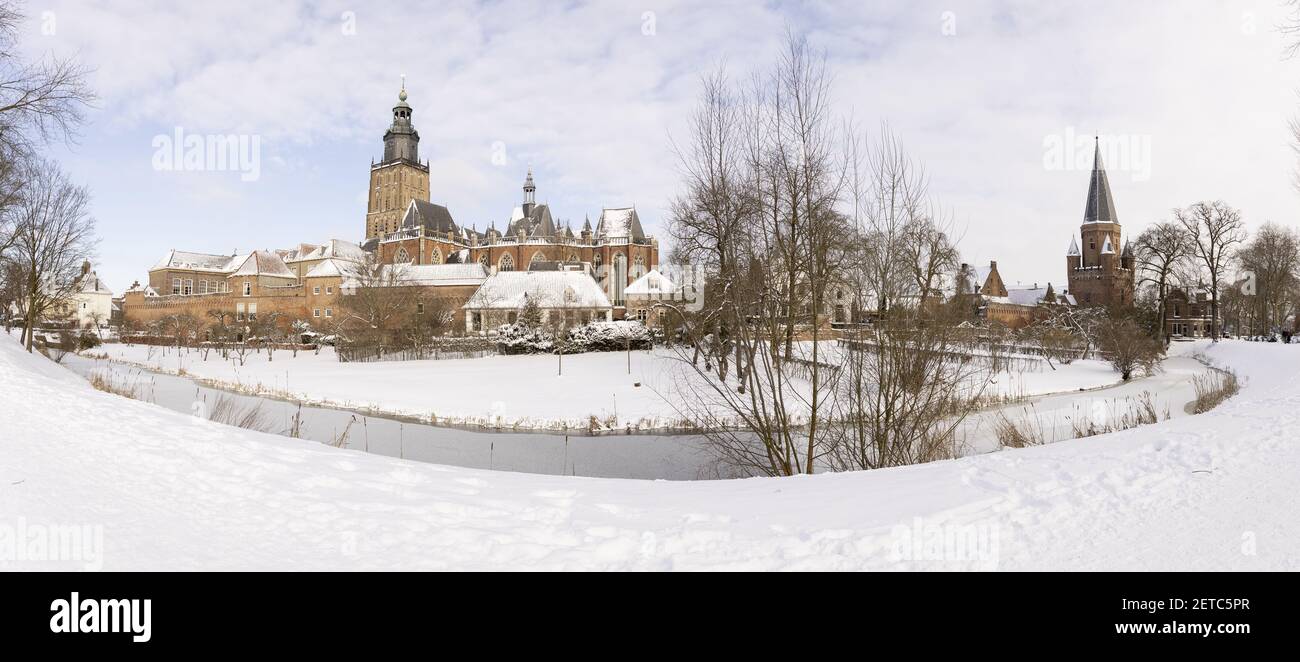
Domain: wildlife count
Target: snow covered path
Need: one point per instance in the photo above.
(1216, 491)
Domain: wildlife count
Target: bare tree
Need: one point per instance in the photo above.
(1214, 230)
(40, 100)
(888, 191)
(1127, 348)
(1159, 250)
(1273, 257)
(708, 221)
(53, 235)
(908, 388)
(375, 300)
(927, 247)
(429, 319)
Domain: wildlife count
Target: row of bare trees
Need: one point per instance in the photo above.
(797, 214)
(1252, 282)
(46, 230)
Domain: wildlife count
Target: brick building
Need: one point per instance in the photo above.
(447, 261)
(1188, 314)
(1013, 307)
(1098, 273)
(403, 225)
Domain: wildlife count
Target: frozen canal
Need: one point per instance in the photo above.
(669, 457)
(641, 456)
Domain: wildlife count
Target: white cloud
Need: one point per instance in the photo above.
(581, 93)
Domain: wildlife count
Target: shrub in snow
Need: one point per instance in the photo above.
(610, 336)
(519, 338)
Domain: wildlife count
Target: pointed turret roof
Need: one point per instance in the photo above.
(1128, 249)
(1107, 248)
(1101, 207)
(1074, 248)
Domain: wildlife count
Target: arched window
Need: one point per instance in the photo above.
(507, 263)
(402, 255)
(638, 266)
(435, 257)
(620, 278)
(483, 260)
(597, 264)
(537, 257)
(572, 258)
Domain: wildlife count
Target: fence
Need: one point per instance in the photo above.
(371, 354)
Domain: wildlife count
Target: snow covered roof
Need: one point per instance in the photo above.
(1106, 248)
(507, 290)
(334, 248)
(331, 267)
(263, 263)
(620, 223)
(442, 274)
(652, 282)
(424, 275)
(91, 284)
(1074, 248)
(175, 259)
(1031, 296)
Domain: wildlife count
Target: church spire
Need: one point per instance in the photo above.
(530, 193)
(402, 141)
(1101, 206)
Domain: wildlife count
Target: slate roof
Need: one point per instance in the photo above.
(1100, 207)
(536, 224)
(435, 219)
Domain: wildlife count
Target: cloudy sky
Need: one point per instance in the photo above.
(998, 100)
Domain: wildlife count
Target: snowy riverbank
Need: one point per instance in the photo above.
(1215, 491)
(596, 390)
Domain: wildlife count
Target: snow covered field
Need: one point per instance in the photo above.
(166, 491)
(521, 392)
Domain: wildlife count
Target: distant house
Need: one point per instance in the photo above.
(92, 305)
(571, 293)
(1013, 307)
(1188, 313)
(646, 296)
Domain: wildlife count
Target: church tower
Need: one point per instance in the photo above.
(1098, 273)
(400, 177)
